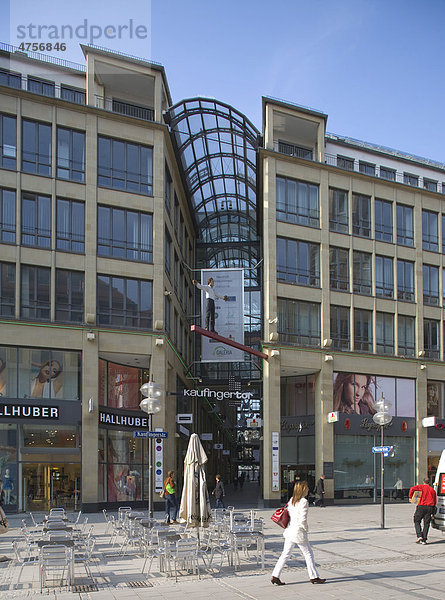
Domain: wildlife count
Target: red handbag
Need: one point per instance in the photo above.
(281, 517)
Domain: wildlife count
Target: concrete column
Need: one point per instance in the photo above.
(421, 432)
(90, 421)
(271, 423)
(324, 431)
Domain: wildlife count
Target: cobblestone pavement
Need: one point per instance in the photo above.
(358, 558)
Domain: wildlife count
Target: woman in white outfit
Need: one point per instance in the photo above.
(296, 533)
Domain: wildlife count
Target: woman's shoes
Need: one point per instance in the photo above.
(278, 581)
(318, 580)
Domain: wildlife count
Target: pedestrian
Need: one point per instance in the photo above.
(211, 296)
(171, 501)
(296, 533)
(218, 492)
(241, 480)
(235, 482)
(398, 489)
(425, 509)
(319, 491)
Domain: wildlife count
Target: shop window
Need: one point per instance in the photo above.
(47, 436)
(49, 374)
(122, 465)
(8, 472)
(8, 372)
(434, 399)
(123, 387)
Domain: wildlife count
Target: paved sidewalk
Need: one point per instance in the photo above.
(359, 560)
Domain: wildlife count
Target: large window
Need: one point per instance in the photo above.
(430, 233)
(407, 339)
(430, 285)
(298, 262)
(405, 225)
(7, 291)
(297, 396)
(8, 142)
(36, 220)
(340, 327)
(125, 166)
(362, 330)
(7, 216)
(384, 277)
(125, 234)
(70, 154)
(384, 327)
(383, 220)
(125, 302)
(36, 147)
(69, 295)
(339, 269)
(338, 211)
(362, 273)
(49, 374)
(297, 202)
(299, 322)
(35, 292)
(8, 372)
(41, 86)
(361, 215)
(431, 338)
(405, 280)
(70, 232)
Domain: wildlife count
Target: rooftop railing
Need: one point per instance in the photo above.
(43, 57)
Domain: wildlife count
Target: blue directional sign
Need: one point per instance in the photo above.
(150, 434)
(385, 449)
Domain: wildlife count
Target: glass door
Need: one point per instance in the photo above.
(49, 485)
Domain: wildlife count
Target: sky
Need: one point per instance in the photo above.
(375, 67)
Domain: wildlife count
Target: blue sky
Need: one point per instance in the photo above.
(374, 66)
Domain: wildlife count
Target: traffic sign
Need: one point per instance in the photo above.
(385, 449)
(150, 434)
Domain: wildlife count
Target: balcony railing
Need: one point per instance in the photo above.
(125, 108)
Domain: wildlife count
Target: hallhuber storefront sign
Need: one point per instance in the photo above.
(28, 411)
(123, 420)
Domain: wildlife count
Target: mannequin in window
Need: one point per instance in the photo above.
(8, 486)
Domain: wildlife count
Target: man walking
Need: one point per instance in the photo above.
(425, 509)
(211, 296)
(218, 492)
(319, 491)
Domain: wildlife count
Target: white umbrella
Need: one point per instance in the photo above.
(195, 502)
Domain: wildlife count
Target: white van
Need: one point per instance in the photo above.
(438, 520)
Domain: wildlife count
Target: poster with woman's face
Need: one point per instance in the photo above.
(433, 399)
(47, 378)
(354, 393)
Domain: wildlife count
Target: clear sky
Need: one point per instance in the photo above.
(374, 66)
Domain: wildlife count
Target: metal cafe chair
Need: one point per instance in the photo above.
(55, 564)
(183, 556)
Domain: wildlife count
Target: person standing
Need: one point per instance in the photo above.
(424, 510)
(296, 533)
(398, 489)
(218, 492)
(211, 296)
(171, 501)
(319, 491)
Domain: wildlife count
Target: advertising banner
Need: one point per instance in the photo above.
(226, 317)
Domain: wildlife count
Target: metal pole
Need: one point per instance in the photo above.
(150, 471)
(382, 526)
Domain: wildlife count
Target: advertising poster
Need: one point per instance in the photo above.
(228, 314)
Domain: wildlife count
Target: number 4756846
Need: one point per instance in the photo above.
(42, 46)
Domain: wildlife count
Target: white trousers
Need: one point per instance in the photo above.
(306, 550)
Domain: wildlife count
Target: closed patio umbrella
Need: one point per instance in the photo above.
(195, 502)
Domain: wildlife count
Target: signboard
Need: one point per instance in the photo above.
(185, 431)
(229, 315)
(253, 422)
(328, 470)
(377, 449)
(441, 486)
(429, 422)
(275, 461)
(226, 452)
(206, 437)
(218, 446)
(159, 460)
(26, 411)
(184, 418)
(150, 434)
(333, 417)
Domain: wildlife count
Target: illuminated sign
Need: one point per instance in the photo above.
(27, 411)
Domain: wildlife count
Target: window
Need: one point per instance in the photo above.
(69, 295)
(405, 225)
(167, 314)
(362, 330)
(430, 233)
(41, 86)
(345, 163)
(125, 166)
(126, 302)
(410, 179)
(443, 234)
(7, 216)
(361, 215)
(72, 94)
(430, 285)
(167, 252)
(36, 220)
(430, 185)
(339, 269)
(176, 216)
(298, 262)
(70, 154)
(405, 281)
(299, 322)
(36, 147)
(10, 79)
(8, 142)
(383, 220)
(48, 374)
(384, 328)
(362, 273)
(125, 234)
(384, 277)
(406, 330)
(70, 232)
(338, 211)
(35, 292)
(176, 272)
(168, 184)
(340, 327)
(7, 289)
(387, 173)
(297, 202)
(431, 338)
(366, 168)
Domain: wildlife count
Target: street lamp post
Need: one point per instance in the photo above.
(382, 418)
(150, 405)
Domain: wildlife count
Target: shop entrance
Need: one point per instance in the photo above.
(292, 473)
(46, 486)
